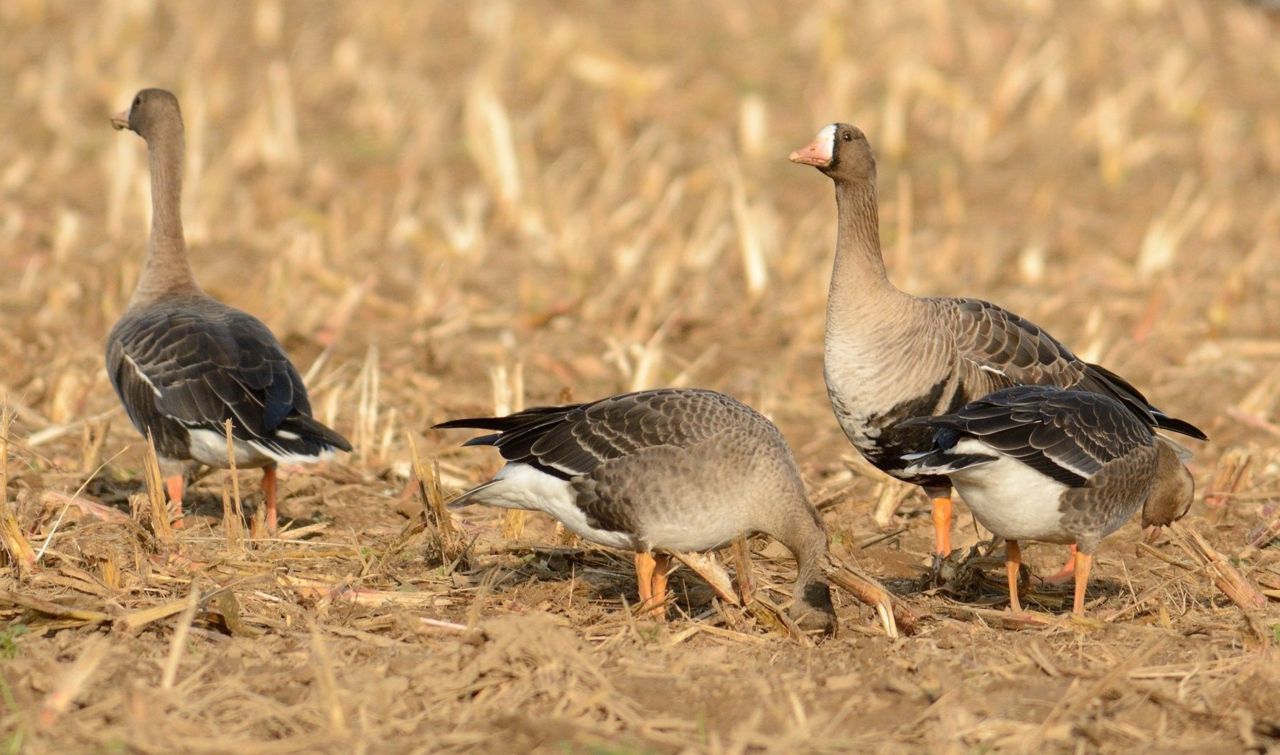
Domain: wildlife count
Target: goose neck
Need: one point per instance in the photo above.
(166, 269)
(859, 273)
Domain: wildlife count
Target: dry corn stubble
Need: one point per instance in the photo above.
(595, 198)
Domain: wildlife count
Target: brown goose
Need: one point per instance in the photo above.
(1062, 466)
(670, 470)
(891, 355)
(184, 363)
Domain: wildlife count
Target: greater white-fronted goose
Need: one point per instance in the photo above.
(183, 363)
(662, 470)
(1061, 466)
(891, 355)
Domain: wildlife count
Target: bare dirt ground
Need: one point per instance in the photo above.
(445, 209)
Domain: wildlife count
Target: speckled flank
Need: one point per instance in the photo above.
(1110, 498)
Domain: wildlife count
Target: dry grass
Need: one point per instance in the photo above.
(444, 208)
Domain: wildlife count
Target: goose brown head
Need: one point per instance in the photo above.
(841, 151)
(151, 111)
(1174, 489)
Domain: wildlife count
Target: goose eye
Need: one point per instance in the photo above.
(137, 101)
(848, 137)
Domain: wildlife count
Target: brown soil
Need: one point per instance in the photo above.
(447, 209)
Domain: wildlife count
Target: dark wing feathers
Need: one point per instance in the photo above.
(1131, 397)
(571, 441)
(1067, 435)
(999, 349)
(1006, 349)
(203, 363)
(509, 422)
(482, 440)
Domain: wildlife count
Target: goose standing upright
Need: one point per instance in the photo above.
(1061, 466)
(890, 355)
(674, 470)
(183, 363)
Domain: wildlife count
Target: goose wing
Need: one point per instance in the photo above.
(202, 363)
(572, 440)
(998, 349)
(1067, 435)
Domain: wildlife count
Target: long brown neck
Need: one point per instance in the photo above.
(807, 539)
(166, 271)
(858, 280)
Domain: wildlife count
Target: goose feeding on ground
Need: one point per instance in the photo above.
(184, 363)
(662, 471)
(1060, 466)
(890, 355)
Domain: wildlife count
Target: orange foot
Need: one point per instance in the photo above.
(1066, 573)
(173, 486)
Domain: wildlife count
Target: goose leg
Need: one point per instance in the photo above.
(269, 492)
(662, 568)
(941, 527)
(1065, 573)
(1083, 562)
(1012, 562)
(645, 567)
(173, 486)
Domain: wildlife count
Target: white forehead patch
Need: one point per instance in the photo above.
(827, 138)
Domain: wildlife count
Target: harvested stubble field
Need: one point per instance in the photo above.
(448, 209)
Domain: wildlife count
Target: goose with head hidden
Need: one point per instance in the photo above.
(661, 471)
(1060, 466)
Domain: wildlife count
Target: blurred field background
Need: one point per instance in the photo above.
(446, 209)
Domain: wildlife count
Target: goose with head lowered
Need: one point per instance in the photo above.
(184, 363)
(663, 471)
(890, 355)
(1059, 466)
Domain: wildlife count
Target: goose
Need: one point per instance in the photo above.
(656, 472)
(184, 363)
(1059, 466)
(890, 355)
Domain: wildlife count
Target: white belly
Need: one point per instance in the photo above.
(208, 447)
(520, 486)
(1011, 499)
(690, 534)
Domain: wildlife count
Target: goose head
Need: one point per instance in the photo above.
(841, 151)
(1174, 489)
(151, 111)
(812, 609)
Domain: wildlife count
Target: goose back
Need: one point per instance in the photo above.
(1097, 460)
(183, 366)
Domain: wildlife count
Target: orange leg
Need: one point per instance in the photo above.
(173, 486)
(1012, 562)
(1083, 562)
(942, 527)
(645, 567)
(662, 567)
(1065, 573)
(269, 491)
